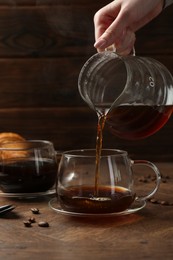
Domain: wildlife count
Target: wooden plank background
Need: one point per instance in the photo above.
(43, 45)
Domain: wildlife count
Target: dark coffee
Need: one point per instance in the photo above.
(136, 122)
(99, 142)
(20, 176)
(81, 199)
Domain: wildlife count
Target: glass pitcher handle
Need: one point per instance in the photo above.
(157, 173)
(113, 49)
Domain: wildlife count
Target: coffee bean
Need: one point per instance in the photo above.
(143, 179)
(32, 220)
(153, 178)
(163, 202)
(154, 201)
(43, 224)
(27, 223)
(35, 211)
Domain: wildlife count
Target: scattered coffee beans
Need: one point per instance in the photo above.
(27, 223)
(31, 220)
(35, 211)
(154, 201)
(165, 178)
(43, 224)
(161, 202)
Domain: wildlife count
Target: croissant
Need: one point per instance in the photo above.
(14, 140)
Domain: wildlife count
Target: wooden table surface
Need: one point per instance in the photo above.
(147, 234)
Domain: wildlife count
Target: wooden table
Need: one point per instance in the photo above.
(147, 234)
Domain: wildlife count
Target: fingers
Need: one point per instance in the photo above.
(123, 46)
(126, 45)
(109, 37)
(110, 31)
(106, 30)
(116, 23)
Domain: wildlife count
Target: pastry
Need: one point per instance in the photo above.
(12, 142)
(7, 137)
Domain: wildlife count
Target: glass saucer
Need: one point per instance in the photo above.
(27, 195)
(136, 206)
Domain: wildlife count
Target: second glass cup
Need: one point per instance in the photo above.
(27, 167)
(115, 192)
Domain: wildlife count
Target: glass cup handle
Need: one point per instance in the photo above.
(157, 173)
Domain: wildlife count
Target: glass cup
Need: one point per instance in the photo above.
(82, 189)
(27, 167)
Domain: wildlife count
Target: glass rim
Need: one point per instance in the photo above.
(8, 146)
(105, 152)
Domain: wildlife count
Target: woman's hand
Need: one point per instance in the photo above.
(116, 23)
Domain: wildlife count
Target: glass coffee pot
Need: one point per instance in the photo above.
(134, 93)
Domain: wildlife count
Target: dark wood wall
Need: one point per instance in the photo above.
(43, 45)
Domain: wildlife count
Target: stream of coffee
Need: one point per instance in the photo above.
(99, 141)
